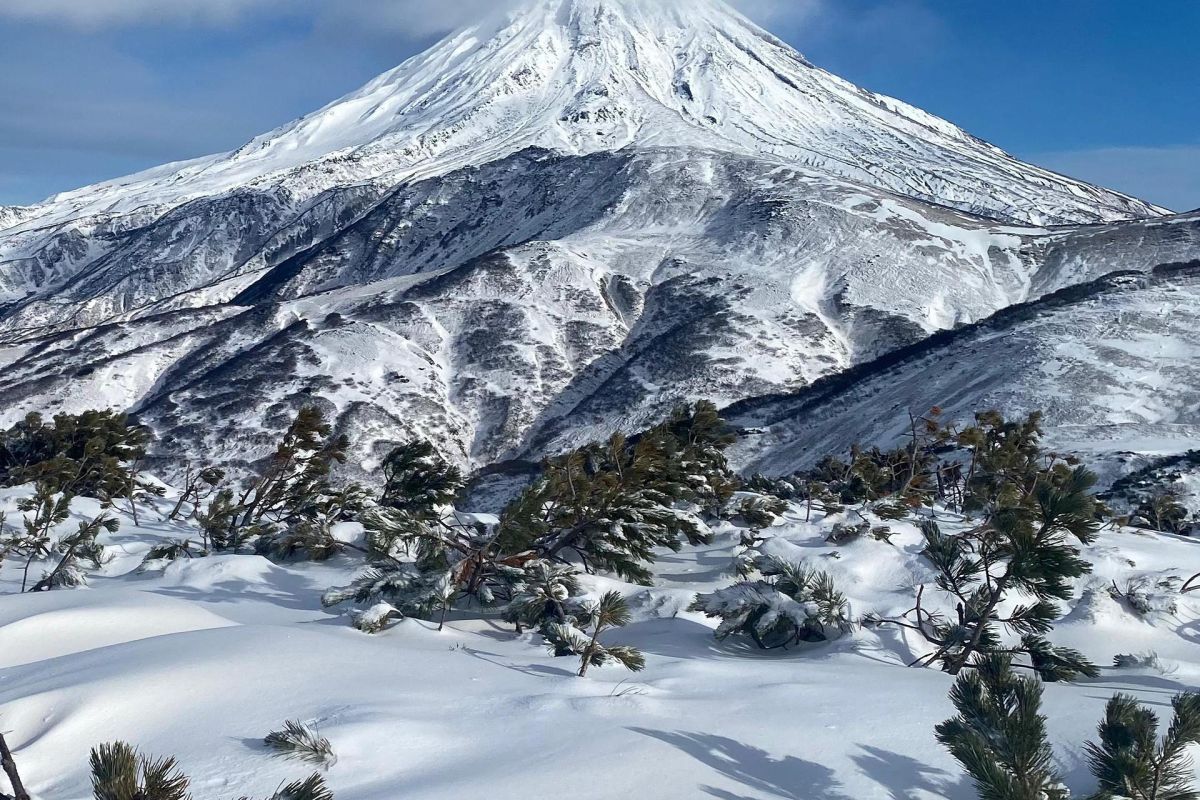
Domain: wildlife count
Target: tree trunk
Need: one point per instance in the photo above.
(10, 769)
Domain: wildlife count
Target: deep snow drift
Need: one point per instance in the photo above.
(201, 658)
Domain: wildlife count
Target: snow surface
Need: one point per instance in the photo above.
(202, 658)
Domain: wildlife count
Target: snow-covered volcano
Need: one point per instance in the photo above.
(577, 211)
(581, 76)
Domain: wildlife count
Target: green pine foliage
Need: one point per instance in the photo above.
(311, 788)
(789, 606)
(293, 480)
(999, 735)
(1033, 511)
(309, 534)
(610, 612)
(119, 772)
(544, 594)
(418, 481)
(301, 741)
(423, 559)
(610, 505)
(1132, 763)
(73, 551)
(88, 455)
(760, 511)
(43, 512)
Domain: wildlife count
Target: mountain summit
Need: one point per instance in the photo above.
(569, 217)
(581, 76)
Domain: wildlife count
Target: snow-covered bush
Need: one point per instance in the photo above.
(759, 511)
(1026, 546)
(611, 505)
(792, 604)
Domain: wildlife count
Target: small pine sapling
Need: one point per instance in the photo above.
(999, 735)
(43, 512)
(301, 741)
(1024, 547)
(611, 612)
(119, 772)
(83, 545)
(198, 486)
(792, 604)
(1131, 763)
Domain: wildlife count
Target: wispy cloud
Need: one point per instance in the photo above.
(1169, 176)
(112, 13)
(415, 18)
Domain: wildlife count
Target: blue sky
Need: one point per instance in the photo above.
(92, 89)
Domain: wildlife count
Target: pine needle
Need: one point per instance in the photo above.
(300, 741)
(311, 788)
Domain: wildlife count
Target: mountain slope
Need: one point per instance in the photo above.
(574, 76)
(566, 219)
(1111, 363)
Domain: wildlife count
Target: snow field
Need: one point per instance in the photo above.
(201, 658)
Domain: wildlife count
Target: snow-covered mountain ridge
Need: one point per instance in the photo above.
(1112, 365)
(580, 213)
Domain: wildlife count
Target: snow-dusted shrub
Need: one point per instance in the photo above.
(301, 741)
(545, 595)
(610, 612)
(377, 618)
(843, 533)
(792, 604)
(75, 549)
(1148, 660)
(760, 511)
(611, 505)
(1026, 545)
(999, 735)
(1147, 597)
(419, 590)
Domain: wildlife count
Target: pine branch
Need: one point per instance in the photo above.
(300, 741)
(9, 764)
(311, 788)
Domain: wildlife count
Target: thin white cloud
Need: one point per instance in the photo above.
(414, 18)
(1168, 176)
(118, 13)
